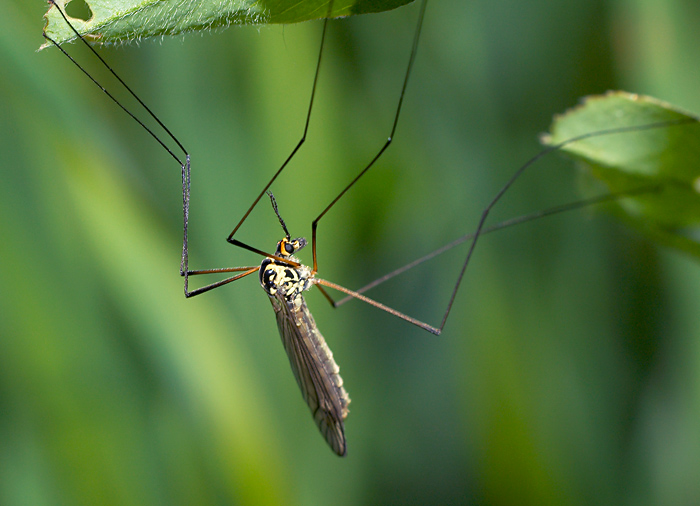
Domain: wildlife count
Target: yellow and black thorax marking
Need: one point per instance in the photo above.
(277, 276)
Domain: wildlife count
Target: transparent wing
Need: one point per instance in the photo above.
(314, 369)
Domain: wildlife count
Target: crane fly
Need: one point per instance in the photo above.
(312, 362)
(285, 279)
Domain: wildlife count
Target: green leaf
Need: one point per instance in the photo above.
(127, 20)
(641, 143)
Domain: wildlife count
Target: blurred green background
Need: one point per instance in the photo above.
(568, 372)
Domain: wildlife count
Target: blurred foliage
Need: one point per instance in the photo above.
(568, 372)
(636, 149)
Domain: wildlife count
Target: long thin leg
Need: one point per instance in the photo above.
(301, 140)
(521, 170)
(411, 59)
(126, 87)
(230, 239)
(246, 272)
(379, 305)
(579, 204)
(186, 165)
(357, 294)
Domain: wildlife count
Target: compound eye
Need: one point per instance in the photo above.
(288, 247)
